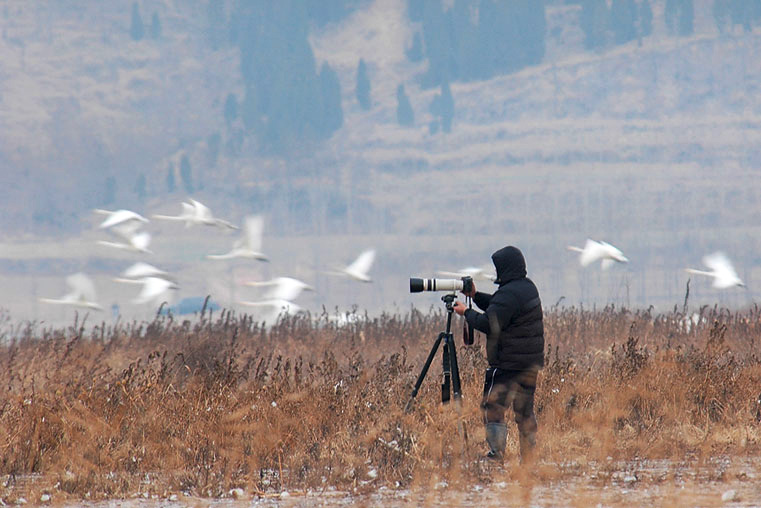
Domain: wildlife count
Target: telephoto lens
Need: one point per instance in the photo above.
(418, 285)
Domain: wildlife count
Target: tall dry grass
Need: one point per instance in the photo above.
(218, 402)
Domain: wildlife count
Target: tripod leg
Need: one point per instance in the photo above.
(451, 347)
(446, 382)
(424, 371)
(449, 342)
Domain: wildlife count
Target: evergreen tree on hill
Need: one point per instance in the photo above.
(594, 23)
(623, 17)
(415, 53)
(231, 108)
(645, 18)
(170, 184)
(284, 101)
(332, 117)
(186, 175)
(478, 39)
(680, 16)
(136, 28)
(442, 107)
(155, 30)
(404, 114)
(363, 86)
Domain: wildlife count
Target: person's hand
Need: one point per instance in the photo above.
(460, 307)
(472, 291)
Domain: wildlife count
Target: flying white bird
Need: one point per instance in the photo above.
(155, 290)
(250, 245)
(282, 288)
(471, 271)
(722, 271)
(196, 212)
(141, 270)
(273, 309)
(132, 238)
(359, 268)
(82, 293)
(117, 217)
(595, 251)
(340, 319)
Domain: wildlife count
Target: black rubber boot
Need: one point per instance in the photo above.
(496, 437)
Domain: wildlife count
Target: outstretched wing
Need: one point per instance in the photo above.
(363, 263)
(287, 288)
(724, 273)
(121, 217)
(592, 252)
(82, 287)
(153, 287)
(140, 270)
(201, 211)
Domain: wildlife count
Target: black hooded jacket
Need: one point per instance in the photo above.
(512, 320)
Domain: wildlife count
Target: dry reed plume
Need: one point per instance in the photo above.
(215, 403)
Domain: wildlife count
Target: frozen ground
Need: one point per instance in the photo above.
(721, 481)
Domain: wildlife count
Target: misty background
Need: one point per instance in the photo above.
(435, 131)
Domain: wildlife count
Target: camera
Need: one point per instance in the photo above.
(464, 284)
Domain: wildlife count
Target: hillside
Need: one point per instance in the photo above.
(653, 146)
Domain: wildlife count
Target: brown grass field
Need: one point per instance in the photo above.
(629, 401)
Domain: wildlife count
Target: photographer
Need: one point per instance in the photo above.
(512, 322)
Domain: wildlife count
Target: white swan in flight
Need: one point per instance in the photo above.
(132, 238)
(359, 268)
(117, 217)
(141, 270)
(599, 251)
(196, 212)
(282, 288)
(82, 293)
(250, 244)
(273, 309)
(471, 271)
(155, 290)
(722, 271)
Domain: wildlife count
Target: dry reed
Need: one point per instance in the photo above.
(206, 405)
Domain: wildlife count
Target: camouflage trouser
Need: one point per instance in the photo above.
(504, 388)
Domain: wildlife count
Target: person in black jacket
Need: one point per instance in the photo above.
(512, 322)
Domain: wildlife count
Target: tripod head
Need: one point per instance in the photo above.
(448, 300)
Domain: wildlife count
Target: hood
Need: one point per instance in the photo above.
(509, 264)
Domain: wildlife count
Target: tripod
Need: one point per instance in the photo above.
(451, 379)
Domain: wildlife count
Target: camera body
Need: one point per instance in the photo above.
(464, 284)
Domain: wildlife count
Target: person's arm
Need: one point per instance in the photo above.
(477, 320)
(482, 300)
(501, 306)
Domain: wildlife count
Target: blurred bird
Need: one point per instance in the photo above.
(82, 293)
(273, 309)
(359, 268)
(196, 212)
(137, 241)
(282, 288)
(155, 290)
(141, 270)
(117, 217)
(722, 271)
(340, 319)
(250, 245)
(594, 251)
(126, 225)
(471, 271)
